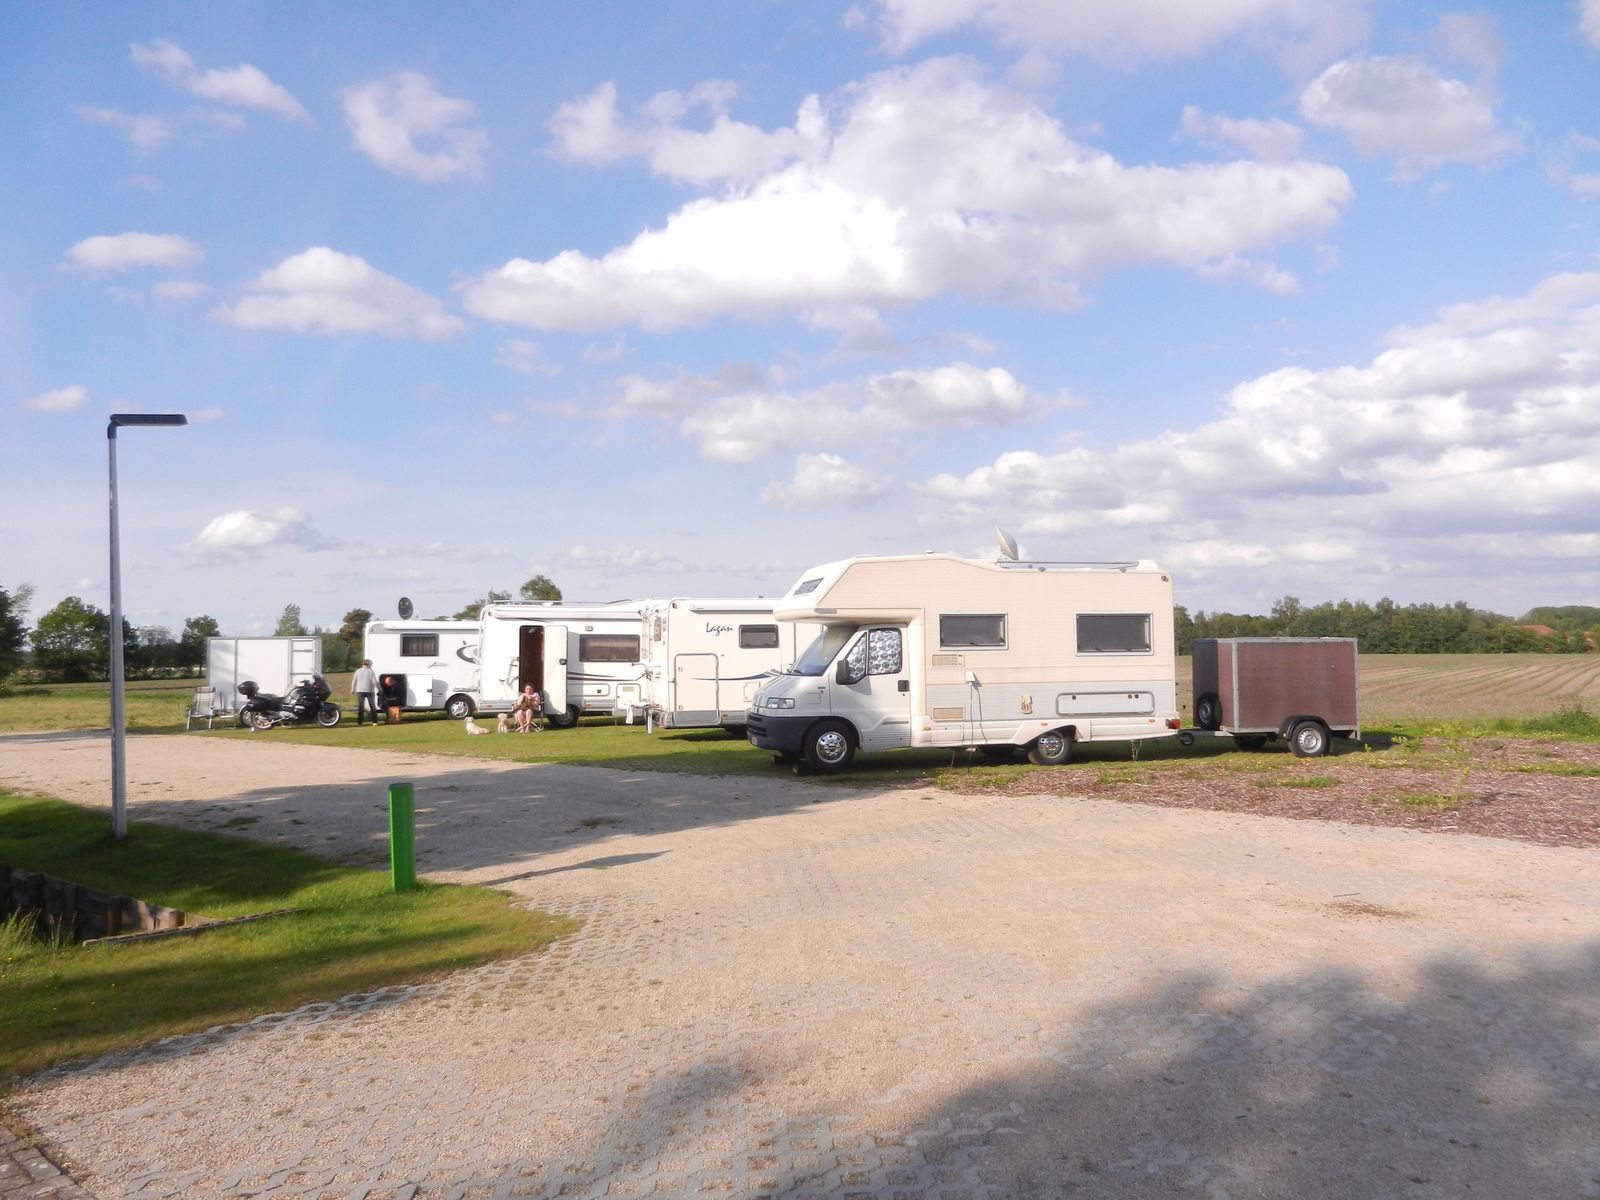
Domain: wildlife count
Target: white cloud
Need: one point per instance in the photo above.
(1400, 108)
(243, 86)
(179, 289)
(247, 529)
(1269, 141)
(1588, 13)
(145, 132)
(826, 479)
(741, 415)
(1123, 30)
(924, 181)
(389, 117)
(1472, 37)
(519, 354)
(118, 252)
(1485, 422)
(201, 416)
(60, 400)
(323, 291)
(590, 130)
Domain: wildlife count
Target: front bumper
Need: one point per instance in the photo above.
(779, 732)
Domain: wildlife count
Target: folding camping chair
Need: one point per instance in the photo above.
(204, 707)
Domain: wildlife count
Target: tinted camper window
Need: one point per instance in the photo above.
(419, 645)
(1113, 633)
(608, 647)
(957, 630)
(758, 637)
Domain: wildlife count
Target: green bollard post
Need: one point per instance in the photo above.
(402, 838)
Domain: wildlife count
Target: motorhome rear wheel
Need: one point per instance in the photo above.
(1051, 749)
(459, 708)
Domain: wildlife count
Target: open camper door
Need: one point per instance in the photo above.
(542, 664)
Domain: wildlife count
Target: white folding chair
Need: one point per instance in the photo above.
(204, 707)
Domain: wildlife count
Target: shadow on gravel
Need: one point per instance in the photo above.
(470, 819)
(1481, 1081)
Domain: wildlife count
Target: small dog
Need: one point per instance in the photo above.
(473, 728)
(505, 723)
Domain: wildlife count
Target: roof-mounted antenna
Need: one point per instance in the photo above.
(1008, 545)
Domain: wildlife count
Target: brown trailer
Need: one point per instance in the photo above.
(1300, 689)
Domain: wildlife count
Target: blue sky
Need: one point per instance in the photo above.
(1294, 298)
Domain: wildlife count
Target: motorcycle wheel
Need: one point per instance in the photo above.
(328, 715)
(260, 721)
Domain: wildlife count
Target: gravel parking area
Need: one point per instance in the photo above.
(791, 990)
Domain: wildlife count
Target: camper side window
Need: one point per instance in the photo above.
(758, 637)
(966, 630)
(608, 647)
(419, 645)
(1113, 633)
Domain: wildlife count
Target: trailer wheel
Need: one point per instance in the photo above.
(1050, 749)
(1251, 741)
(566, 718)
(1208, 712)
(459, 708)
(828, 746)
(1308, 739)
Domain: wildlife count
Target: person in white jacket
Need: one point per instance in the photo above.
(365, 686)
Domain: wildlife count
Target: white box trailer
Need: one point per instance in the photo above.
(707, 657)
(274, 664)
(434, 663)
(582, 659)
(935, 650)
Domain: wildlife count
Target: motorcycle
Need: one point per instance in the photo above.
(306, 702)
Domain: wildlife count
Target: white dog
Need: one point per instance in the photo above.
(473, 728)
(505, 723)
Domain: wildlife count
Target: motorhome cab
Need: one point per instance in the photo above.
(707, 657)
(581, 658)
(934, 650)
(434, 663)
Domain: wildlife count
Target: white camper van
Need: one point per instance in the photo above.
(706, 658)
(934, 650)
(581, 658)
(435, 663)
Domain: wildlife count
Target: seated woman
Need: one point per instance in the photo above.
(390, 698)
(528, 706)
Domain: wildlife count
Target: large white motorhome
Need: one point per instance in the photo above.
(707, 657)
(435, 663)
(582, 659)
(935, 650)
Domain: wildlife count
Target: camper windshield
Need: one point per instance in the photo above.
(821, 652)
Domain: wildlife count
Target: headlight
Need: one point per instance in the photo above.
(780, 701)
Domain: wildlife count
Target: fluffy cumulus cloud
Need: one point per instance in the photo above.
(1401, 108)
(247, 530)
(915, 183)
(243, 86)
(1121, 30)
(59, 400)
(405, 125)
(826, 479)
(742, 415)
(119, 251)
(323, 291)
(146, 132)
(1483, 424)
(1269, 141)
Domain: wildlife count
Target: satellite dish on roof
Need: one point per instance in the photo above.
(405, 608)
(1008, 544)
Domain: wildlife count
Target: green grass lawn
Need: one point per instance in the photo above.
(352, 934)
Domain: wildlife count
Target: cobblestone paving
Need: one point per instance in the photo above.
(921, 997)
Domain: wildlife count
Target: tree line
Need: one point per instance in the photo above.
(1390, 628)
(72, 642)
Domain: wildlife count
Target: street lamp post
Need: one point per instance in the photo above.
(119, 763)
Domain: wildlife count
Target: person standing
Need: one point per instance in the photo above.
(365, 686)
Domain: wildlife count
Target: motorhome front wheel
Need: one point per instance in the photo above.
(828, 746)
